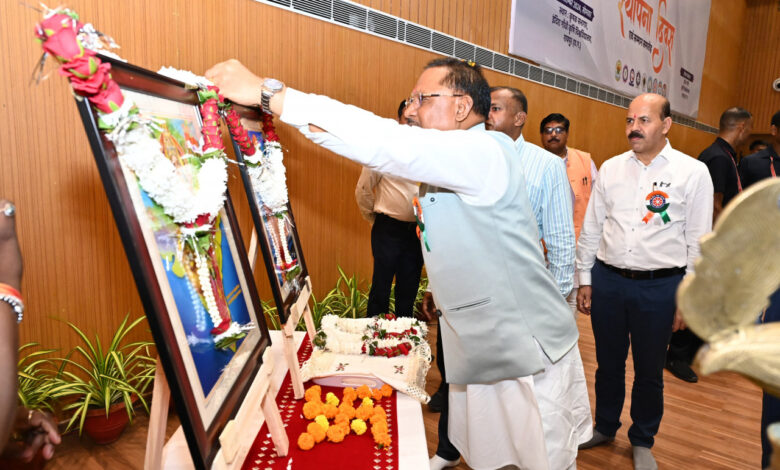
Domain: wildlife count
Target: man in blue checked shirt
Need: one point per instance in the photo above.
(551, 201)
(546, 182)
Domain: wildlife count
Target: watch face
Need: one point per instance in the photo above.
(273, 84)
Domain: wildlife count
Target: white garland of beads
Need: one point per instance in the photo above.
(204, 277)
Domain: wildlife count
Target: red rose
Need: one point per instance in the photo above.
(109, 98)
(58, 34)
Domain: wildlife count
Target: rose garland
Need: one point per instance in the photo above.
(192, 206)
(381, 336)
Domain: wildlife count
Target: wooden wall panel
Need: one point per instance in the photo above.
(75, 267)
(760, 64)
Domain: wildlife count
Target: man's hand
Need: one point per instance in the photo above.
(236, 82)
(583, 299)
(679, 323)
(39, 433)
(428, 307)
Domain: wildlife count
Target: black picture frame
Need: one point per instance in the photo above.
(202, 420)
(284, 295)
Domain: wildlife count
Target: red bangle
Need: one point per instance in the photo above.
(6, 289)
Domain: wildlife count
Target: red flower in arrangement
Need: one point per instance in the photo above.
(58, 35)
(87, 74)
(109, 98)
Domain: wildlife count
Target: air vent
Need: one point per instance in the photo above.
(548, 78)
(560, 82)
(381, 24)
(484, 57)
(521, 69)
(321, 8)
(464, 50)
(401, 31)
(285, 3)
(610, 98)
(535, 74)
(571, 85)
(602, 95)
(349, 14)
(443, 44)
(584, 89)
(418, 35)
(594, 92)
(502, 63)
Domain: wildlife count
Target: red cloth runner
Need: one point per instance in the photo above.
(353, 452)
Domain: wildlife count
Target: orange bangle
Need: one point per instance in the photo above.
(6, 289)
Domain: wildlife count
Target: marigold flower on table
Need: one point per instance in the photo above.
(305, 441)
(322, 421)
(347, 409)
(376, 394)
(386, 390)
(379, 427)
(313, 393)
(359, 426)
(363, 391)
(383, 440)
(364, 412)
(336, 434)
(332, 399)
(349, 394)
(379, 414)
(329, 411)
(367, 402)
(341, 418)
(344, 427)
(311, 409)
(317, 432)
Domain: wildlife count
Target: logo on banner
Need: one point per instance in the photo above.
(625, 73)
(618, 68)
(638, 78)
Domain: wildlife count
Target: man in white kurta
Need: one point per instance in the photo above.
(492, 351)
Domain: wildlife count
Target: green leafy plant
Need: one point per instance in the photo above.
(36, 377)
(349, 300)
(116, 374)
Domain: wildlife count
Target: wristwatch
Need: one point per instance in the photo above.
(271, 86)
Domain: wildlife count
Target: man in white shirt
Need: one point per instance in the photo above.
(641, 234)
(478, 236)
(386, 202)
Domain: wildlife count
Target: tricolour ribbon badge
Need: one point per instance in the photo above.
(418, 215)
(657, 203)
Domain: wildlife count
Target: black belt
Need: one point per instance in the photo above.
(643, 275)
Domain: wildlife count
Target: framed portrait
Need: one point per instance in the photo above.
(210, 355)
(276, 230)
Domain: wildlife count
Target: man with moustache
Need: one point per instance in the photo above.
(580, 170)
(641, 234)
(478, 236)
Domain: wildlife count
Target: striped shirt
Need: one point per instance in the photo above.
(550, 196)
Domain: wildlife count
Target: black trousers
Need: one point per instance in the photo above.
(683, 346)
(444, 449)
(397, 254)
(639, 313)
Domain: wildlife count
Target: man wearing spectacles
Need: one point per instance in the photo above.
(580, 170)
(481, 249)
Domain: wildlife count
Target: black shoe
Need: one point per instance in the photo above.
(681, 370)
(437, 402)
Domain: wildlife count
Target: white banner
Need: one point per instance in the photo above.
(630, 46)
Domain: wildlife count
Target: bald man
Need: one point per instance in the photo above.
(641, 234)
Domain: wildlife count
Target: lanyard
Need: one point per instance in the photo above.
(734, 162)
(772, 166)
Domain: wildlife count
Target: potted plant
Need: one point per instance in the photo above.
(107, 384)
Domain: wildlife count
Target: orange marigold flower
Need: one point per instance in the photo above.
(364, 412)
(348, 410)
(344, 427)
(336, 433)
(383, 440)
(341, 418)
(311, 409)
(349, 394)
(379, 415)
(305, 441)
(329, 411)
(363, 391)
(386, 390)
(376, 394)
(314, 393)
(379, 427)
(317, 432)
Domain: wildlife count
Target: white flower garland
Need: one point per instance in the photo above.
(268, 177)
(345, 335)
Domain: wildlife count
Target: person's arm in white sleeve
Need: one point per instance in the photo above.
(590, 235)
(698, 213)
(558, 226)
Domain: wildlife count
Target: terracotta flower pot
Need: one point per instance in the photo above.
(105, 430)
